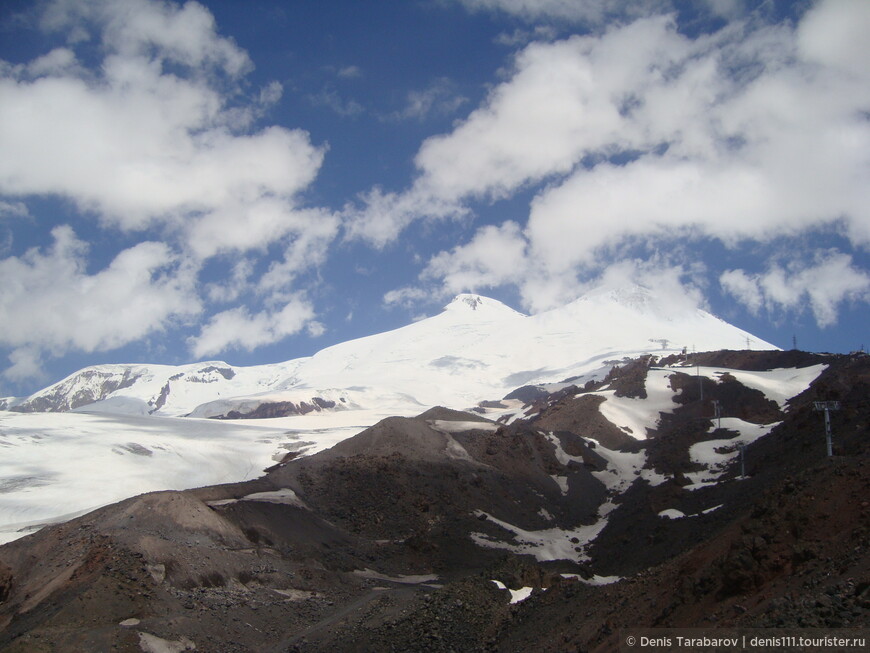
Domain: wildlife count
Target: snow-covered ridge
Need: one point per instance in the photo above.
(477, 348)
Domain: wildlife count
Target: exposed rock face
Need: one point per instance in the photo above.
(581, 414)
(5, 582)
(629, 380)
(85, 388)
(270, 409)
(160, 401)
(391, 540)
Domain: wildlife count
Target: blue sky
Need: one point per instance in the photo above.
(253, 181)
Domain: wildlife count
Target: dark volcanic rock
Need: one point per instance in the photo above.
(581, 415)
(267, 410)
(527, 393)
(629, 380)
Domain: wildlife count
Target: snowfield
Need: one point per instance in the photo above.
(58, 465)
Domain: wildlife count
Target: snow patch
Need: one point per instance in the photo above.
(404, 579)
(638, 416)
(595, 580)
(449, 426)
(562, 482)
(153, 644)
(517, 596)
(780, 384)
(548, 544)
(284, 496)
(717, 455)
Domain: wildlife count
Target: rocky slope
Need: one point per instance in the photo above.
(617, 504)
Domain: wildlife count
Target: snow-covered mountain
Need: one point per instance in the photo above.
(112, 431)
(476, 349)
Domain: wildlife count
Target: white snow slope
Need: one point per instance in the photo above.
(127, 435)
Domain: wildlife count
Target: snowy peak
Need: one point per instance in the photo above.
(464, 301)
(469, 303)
(477, 349)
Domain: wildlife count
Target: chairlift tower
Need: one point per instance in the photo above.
(827, 407)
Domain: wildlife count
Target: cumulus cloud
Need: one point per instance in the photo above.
(493, 258)
(563, 101)
(750, 133)
(50, 304)
(385, 215)
(141, 146)
(26, 365)
(821, 285)
(157, 138)
(185, 34)
(309, 248)
(237, 328)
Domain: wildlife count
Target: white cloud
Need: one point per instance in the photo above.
(26, 365)
(493, 258)
(385, 215)
(744, 288)
(751, 133)
(406, 297)
(232, 288)
(439, 98)
(49, 303)
(237, 328)
(522, 37)
(140, 146)
(13, 210)
(156, 137)
(537, 124)
(185, 34)
(833, 34)
(330, 98)
(310, 247)
(582, 11)
(349, 72)
(560, 105)
(822, 286)
(244, 226)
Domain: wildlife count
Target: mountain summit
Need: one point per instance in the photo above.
(428, 362)
(480, 305)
